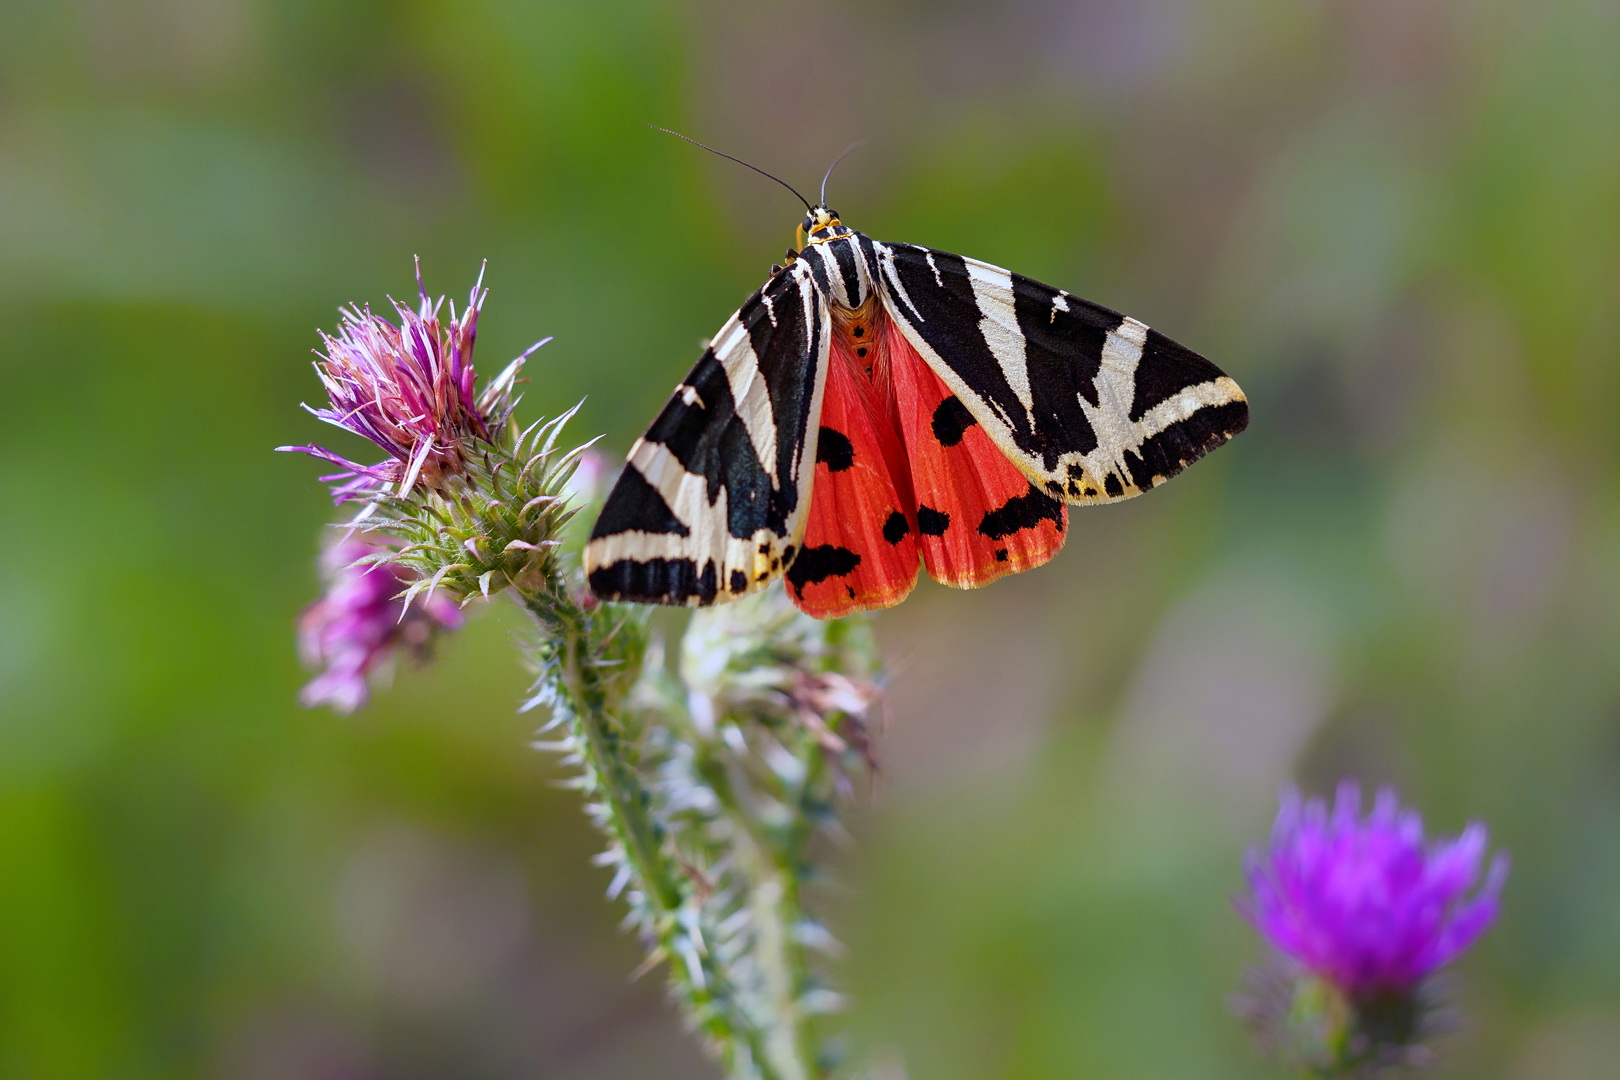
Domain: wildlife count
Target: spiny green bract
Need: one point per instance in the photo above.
(496, 526)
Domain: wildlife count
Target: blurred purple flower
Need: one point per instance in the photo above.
(1366, 904)
(409, 388)
(361, 621)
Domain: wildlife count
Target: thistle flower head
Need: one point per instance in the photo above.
(362, 621)
(1366, 903)
(409, 387)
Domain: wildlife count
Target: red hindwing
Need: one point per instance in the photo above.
(859, 546)
(978, 517)
(902, 468)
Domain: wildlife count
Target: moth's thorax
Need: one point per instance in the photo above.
(838, 259)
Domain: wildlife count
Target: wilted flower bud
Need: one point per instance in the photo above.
(761, 659)
(1364, 911)
(362, 621)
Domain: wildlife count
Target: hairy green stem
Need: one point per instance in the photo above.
(626, 796)
(582, 705)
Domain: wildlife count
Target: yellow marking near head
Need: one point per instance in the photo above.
(830, 239)
(820, 219)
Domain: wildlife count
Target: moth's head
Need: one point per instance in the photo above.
(820, 217)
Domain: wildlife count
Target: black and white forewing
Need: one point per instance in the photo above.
(712, 502)
(1091, 405)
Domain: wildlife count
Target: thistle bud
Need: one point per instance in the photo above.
(1362, 913)
(501, 525)
(468, 504)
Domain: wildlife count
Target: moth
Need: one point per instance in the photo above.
(875, 406)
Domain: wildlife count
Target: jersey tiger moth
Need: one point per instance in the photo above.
(876, 403)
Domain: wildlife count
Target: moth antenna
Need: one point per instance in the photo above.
(842, 154)
(739, 161)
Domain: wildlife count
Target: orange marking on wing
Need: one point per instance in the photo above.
(978, 517)
(860, 547)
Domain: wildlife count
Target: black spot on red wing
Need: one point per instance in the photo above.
(851, 591)
(931, 522)
(835, 450)
(817, 564)
(896, 528)
(860, 331)
(739, 581)
(1112, 485)
(1022, 512)
(1001, 554)
(951, 420)
(861, 351)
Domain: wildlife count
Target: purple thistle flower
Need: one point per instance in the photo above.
(1367, 904)
(361, 621)
(409, 388)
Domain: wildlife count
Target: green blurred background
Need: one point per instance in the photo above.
(1395, 222)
